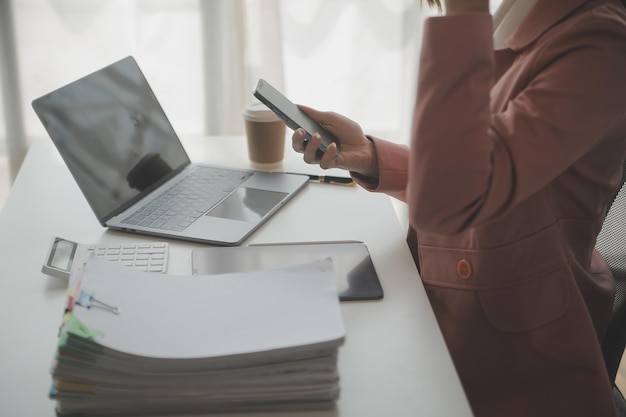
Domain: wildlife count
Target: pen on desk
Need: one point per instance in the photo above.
(328, 179)
(316, 242)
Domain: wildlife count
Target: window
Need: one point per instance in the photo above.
(202, 58)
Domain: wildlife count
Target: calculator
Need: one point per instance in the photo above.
(64, 256)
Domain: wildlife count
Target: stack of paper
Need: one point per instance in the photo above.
(139, 343)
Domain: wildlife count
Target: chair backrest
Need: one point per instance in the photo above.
(612, 245)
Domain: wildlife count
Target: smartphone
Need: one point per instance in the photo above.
(291, 114)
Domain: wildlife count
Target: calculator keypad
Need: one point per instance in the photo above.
(147, 256)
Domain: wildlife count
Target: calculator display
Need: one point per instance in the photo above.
(62, 254)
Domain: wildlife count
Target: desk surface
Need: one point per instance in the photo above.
(393, 363)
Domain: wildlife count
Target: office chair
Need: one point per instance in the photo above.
(612, 245)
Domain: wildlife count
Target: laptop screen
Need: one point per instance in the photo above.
(113, 135)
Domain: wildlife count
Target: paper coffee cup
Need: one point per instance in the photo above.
(265, 133)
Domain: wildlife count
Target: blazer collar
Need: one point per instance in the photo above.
(544, 15)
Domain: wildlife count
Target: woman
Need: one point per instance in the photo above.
(513, 158)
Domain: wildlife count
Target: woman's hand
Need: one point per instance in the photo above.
(355, 151)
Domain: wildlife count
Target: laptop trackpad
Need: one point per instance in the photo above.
(247, 204)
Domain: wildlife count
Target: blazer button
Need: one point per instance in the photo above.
(464, 269)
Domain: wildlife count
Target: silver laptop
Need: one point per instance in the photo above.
(135, 174)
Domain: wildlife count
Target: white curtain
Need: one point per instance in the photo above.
(203, 57)
(11, 120)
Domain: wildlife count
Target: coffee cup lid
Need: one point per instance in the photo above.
(259, 112)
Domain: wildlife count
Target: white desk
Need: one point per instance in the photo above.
(394, 361)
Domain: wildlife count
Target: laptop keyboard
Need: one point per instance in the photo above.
(185, 201)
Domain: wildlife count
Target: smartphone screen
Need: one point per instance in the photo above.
(290, 113)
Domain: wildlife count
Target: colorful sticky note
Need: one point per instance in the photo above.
(76, 327)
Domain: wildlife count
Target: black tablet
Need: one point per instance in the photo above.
(355, 273)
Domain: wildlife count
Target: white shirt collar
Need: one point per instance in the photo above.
(510, 22)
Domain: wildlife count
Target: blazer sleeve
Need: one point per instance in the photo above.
(393, 163)
(469, 165)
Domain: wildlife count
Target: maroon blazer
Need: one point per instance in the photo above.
(514, 156)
